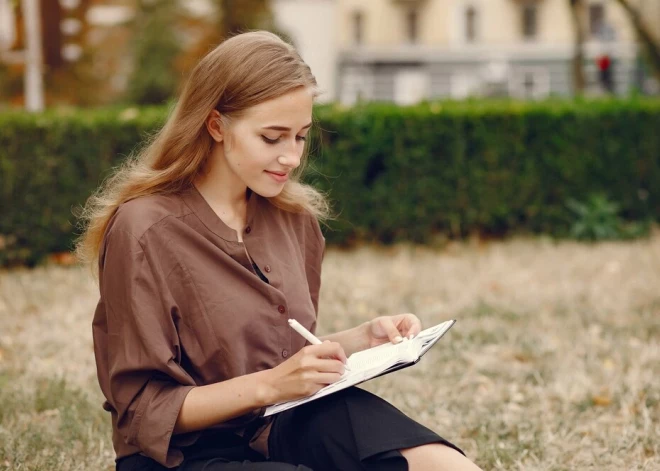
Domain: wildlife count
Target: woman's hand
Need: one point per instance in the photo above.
(312, 368)
(392, 328)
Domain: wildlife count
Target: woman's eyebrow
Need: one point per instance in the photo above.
(283, 128)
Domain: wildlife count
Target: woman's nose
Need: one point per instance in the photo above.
(290, 158)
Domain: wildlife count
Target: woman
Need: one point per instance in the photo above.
(206, 245)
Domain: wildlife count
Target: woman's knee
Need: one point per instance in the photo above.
(437, 456)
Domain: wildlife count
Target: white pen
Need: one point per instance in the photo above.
(295, 325)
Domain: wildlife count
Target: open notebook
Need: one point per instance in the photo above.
(373, 362)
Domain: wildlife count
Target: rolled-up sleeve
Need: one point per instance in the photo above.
(138, 349)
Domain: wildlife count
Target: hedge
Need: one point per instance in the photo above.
(394, 173)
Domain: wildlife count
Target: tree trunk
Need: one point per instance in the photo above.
(241, 15)
(51, 17)
(651, 44)
(579, 80)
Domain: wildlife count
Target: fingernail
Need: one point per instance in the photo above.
(398, 339)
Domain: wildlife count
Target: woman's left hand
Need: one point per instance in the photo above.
(385, 329)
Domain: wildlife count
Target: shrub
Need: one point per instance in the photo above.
(394, 173)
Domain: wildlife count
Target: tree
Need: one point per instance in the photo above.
(239, 15)
(51, 17)
(577, 17)
(650, 43)
(154, 78)
(230, 17)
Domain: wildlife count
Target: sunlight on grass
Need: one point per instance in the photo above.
(56, 426)
(554, 363)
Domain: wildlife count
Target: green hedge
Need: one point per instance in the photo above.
(394, 173)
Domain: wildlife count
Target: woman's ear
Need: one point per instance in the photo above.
(214, 126)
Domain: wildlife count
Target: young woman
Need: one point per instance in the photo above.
(206, 244)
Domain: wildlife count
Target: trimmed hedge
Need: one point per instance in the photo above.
(394, 173)
(406, 173)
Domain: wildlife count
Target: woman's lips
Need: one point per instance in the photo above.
(279, 177)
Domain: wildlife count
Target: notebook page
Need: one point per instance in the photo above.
(381, 355)
(429, 336)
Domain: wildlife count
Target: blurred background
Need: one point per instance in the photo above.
(99, 52)
(492, 161)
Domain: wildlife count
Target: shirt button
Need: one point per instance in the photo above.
(248, 229)
(285, 353)
(267, 268)
(281, 309)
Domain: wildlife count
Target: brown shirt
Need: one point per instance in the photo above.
(182, 305)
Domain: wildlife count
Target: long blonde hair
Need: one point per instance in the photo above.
(243, 71)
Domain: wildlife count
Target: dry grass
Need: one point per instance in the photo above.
(554, 363)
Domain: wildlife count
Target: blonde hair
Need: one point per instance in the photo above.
(243, 71)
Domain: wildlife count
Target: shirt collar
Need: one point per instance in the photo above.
(198, 204)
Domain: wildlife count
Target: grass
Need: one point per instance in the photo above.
(554, 363)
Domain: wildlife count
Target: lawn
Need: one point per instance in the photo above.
(554, 363)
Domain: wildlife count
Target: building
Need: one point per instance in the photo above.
(316, 37)
(408, 50)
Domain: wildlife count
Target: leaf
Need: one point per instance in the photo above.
(601, 400)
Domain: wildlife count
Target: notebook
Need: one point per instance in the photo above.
(374, 362)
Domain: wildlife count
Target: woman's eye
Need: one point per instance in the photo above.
(275, 141)
(270, 141)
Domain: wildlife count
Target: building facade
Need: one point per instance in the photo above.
(408, 50)
(312, 25)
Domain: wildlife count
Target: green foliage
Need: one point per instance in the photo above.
(393, 173)
(599, 219)
(156, 46)
(490, 167)
(49, 164)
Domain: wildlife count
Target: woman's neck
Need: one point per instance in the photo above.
(230, 206)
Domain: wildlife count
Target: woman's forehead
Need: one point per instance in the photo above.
(291, 110)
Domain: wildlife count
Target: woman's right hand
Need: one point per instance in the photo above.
(312, 368)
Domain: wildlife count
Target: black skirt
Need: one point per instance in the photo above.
(349, 430)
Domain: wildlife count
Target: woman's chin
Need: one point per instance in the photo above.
(267, 191)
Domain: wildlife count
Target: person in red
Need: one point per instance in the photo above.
(206, 243)
(605, 72)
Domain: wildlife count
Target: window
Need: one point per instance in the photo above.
(358, 27)
(596, 19)
(411, 85)
(464, 84)
(471, 24)
(412, 26)
(357, 84)
(529, 21)
(529, 82)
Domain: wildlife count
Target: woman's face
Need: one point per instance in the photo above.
(267, 142)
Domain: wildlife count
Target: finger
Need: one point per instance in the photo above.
(327, 378)
(414, 325)
(329, 365)
(390, 329)
(329, 349)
